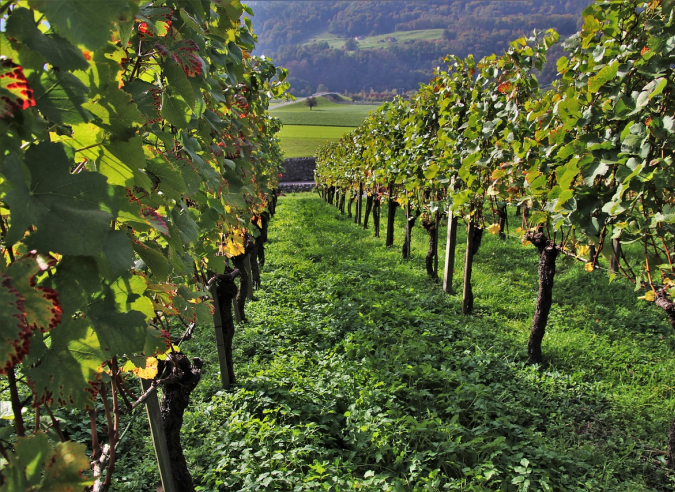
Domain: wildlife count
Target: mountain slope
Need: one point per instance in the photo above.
(297, 34)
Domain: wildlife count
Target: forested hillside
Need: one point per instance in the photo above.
(292, 33)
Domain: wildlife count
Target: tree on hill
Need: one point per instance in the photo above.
(351, 44)
(311, 102)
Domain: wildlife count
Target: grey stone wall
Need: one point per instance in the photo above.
(298, 169)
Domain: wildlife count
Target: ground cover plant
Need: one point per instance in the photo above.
(356, 372)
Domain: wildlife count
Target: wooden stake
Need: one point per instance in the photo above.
(158, 438)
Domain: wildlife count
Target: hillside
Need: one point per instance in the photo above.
(355, 46)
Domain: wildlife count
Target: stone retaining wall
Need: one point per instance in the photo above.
(296, 187)
(298, 169)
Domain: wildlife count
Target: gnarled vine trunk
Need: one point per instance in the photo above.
(369, 207)
(391, 215)
(474, 237)
(239, 262)
(409, 224)
(227, 292)
(548, 252)
(264, 225)
(376, 215)
(503, 220)
(430, 227)
(359, 205)
(175, 399)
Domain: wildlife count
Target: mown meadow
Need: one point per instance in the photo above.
(356, 372)
(306, 130)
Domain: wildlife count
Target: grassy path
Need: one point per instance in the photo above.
(357, 373)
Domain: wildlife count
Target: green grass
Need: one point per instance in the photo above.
(302, 141)
(357, 372)
(327, 113)
(380, 41)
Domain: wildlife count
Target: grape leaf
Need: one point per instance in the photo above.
(148, 98)
(15, 91)
(155, 260)
(39, 466)
(603, 76)
(170, 179)
(116, 113)
(71, 212)
(41, 304)
(14, 332)
(175, 111)
(84, 22)
(118, 253)
(67, 371)
(76, 279)
(118, 332)
(179, 83)
(184, 53)
(59, 97)
(56, 50)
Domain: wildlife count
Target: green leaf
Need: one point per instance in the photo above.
(84, 22)
(605, 74)
(118, 332)
(175, 111)
(148, 99)
(155, 260)
(121, 162)
(56, 50)
(118, 253)
(116, 113)
(68, 370)
(178, 83)
(171, 181)
(60, 97)
(71, 212)
(37, 465)
(651, 90)
(76, 279)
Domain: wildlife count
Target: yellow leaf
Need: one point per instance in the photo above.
(649, 296)
(588, 267)
(583, 250)
(150, 370)
(493, 229)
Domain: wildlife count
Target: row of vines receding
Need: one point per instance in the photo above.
(136, 158)
(588, 163)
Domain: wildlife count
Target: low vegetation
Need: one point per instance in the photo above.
(357, 372)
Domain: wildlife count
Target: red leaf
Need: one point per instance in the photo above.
(184, 53)
(505, 87)
(15, 92)
(14, 332)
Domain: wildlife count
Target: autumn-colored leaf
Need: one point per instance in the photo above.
(15, 91)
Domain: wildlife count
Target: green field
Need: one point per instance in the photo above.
(303, 140)
(327, 113)
(305, 130)
(380, 41)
